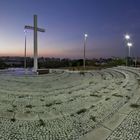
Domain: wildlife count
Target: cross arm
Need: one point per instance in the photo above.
(32, 28)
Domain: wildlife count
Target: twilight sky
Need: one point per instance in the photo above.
(66, 21)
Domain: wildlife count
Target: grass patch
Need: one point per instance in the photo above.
(22, 96)
(29, 106)
(117, 95)
(10, 110)
(28, 112)
(41, 122)
(104, 78)
(72, 114)
(13, 120)
(83, 110)
(91, 82)
(48, 104)
(128, 97)
(95, 95)
(129, 89)
(92, 106)
(119, 83)
(134, 105)
(82, 73)
(42, 100)
(14, 106)
(58, 102)
(93, 118)
(139, 81)
(124, 86)
(106, 99)
(69, 92)
(105, 91)
(53, 103)
(71, 100)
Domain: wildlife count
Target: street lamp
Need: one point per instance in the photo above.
(127, 37)
(85, 41)
(25, 33)
(129, 44)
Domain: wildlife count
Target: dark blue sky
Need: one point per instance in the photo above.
(66, 21)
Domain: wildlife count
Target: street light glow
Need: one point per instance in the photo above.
(86, 35)
(127, 37)
(129, 44)
(25, 31)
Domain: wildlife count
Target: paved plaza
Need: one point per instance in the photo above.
(62, 105)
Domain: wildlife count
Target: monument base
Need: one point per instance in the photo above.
(42, 71)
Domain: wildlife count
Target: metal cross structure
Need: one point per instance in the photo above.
(35, 29)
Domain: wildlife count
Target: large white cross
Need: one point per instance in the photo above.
(35, 28)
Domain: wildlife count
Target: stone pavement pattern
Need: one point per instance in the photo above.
(65, 105)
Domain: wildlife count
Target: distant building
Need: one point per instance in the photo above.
(13, 61)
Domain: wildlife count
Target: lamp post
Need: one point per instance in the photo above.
(127, 38)
(25, 33)
(129, 44)
(85, 41)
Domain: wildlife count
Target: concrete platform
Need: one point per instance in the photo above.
(43, 71)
